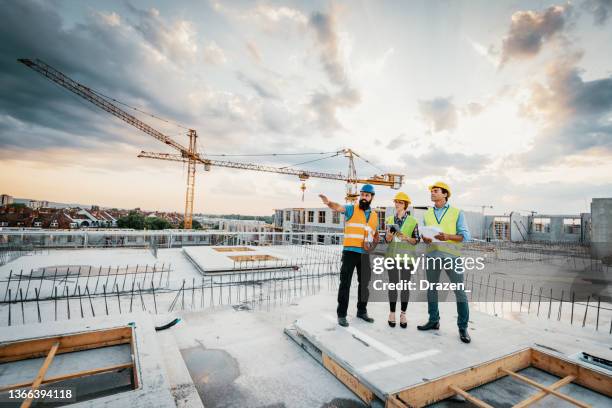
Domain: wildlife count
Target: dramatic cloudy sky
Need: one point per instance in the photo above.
(510, 102)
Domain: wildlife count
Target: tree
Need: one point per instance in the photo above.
(133, 220)
(156, 223)
(194, 224)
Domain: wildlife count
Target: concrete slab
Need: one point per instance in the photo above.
(388, 360)
(208, 259)
(181, 385)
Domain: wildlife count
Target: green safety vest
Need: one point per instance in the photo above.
(402, 247)
(448, 225)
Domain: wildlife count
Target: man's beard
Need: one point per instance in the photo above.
(364, 204)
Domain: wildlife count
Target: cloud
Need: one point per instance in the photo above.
(576, 114)
(324, 25)
(397, 142)
(601, 10)
(214, 55)
(118, 61)
(253, 50)
(176, 41)
(277, 14)
(474, 108)
(112, 19)
(263, 88)
(439, 113)
(324, 105)
(438, 163)
(529, 30)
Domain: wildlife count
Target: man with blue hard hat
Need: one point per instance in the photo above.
(360, 235)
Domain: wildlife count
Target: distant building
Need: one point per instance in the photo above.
(310, 223)
(36, 204)
(6, 199)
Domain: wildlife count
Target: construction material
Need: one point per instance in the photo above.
(41, 373)
(546, 389)
(383, 367)
(167, 325)
(469, 397)
(112, 355)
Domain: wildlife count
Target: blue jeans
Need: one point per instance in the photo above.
(433, 276)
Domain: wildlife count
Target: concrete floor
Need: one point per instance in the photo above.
(241, 358)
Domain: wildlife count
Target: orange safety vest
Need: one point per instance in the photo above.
(357, 229)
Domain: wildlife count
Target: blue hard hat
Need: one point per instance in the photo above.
(367, 188)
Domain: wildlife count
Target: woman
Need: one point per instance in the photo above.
(402, 234)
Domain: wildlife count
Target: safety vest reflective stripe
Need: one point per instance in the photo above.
(357, 229)
(448, 225)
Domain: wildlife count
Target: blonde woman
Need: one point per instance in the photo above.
(402, 234)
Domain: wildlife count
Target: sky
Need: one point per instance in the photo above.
(508, 102)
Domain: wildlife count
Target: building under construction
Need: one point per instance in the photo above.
(246, 318)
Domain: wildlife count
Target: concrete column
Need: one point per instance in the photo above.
(601, 228)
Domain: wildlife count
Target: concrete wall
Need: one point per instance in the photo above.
(601, 227)
(519, 227)
(557, 232)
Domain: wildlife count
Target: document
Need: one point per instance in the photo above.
(430, 232)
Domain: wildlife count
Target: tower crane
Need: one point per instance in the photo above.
(190, 156)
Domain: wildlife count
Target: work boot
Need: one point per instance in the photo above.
(430, 326)
(342, 321)
(365, 317)
(464, 336)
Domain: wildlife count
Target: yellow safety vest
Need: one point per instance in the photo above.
(357, 228)
(402, 247)
(448, 225)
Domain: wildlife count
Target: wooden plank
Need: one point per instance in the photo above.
(348, 379)
(586, 377)
(133, 357)
(41, 373)
(546, 389)
(395, 402)
(438, 389)
(34, 348)
(478, 402)
(69, 376)
(541, 394)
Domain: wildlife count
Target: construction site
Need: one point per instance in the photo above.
(204, 318)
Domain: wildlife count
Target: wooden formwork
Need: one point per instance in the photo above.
(459, 383)
(49, 347)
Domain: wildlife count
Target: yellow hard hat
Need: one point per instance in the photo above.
(401, 196)
(443, 185)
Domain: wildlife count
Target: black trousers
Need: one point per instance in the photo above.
(350, 261)
(394, 277)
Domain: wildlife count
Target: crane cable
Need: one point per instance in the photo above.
(311, 161)
(367, 161)
(138, 110)
(266, 154)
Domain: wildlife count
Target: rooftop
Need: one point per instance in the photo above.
(236, 344)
